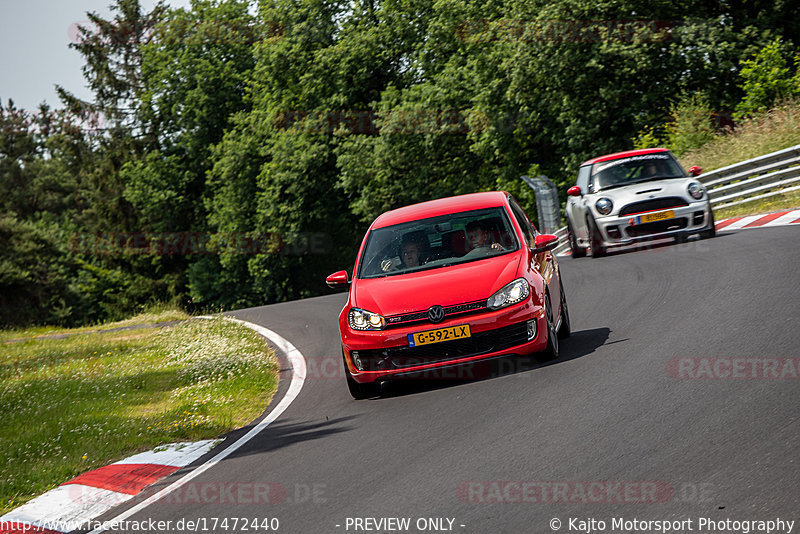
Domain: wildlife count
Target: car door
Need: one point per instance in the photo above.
(544, 263)
(577, 206)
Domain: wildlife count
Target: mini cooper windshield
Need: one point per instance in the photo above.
(626, 171)
(437, 242)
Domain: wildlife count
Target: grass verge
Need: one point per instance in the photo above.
(78, 403)
(771, 131)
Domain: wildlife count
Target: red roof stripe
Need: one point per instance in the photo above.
(626, 154)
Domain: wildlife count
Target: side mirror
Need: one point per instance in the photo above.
(574, 191)
(544, 242)
(695, 171)
(338, 280)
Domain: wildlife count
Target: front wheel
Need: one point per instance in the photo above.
(564, 327)
(712, 229)
(360, 391)
(595, 240)
(551, 351)
(576, 250)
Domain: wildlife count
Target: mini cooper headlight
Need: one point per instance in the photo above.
(516, 291)
(365, 320)
(604, 205)
(696, 190)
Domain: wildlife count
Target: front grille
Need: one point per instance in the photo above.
(480, 343)
(652, 205)
(449, 311)
(656, 227)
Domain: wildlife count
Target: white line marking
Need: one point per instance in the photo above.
(298, 364)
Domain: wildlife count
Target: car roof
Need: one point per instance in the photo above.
(442, 206)
(627, 154)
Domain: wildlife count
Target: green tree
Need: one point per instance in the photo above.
(766, 78)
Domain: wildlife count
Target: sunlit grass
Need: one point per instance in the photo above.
(74, 404)
(157, 314)
(771, 204)
(772, 131)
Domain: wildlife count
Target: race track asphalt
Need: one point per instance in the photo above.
(621, 407)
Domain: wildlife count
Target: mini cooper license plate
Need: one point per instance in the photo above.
(439, 335)
(659, 216)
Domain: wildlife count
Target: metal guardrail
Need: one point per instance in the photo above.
(753, 179)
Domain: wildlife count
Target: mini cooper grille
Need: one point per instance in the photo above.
(448, 311)
(657, 227)
(480, 343)
(652, 205)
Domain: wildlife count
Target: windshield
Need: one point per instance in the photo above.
(437, 242)
(625, 171)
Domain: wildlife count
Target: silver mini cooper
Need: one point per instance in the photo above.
(632, 196)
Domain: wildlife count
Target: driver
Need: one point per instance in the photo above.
(478, 236)
(411, 253)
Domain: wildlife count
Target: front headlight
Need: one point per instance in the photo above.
(604, 205)
(365, 320)
(696, 190)
(516, 291)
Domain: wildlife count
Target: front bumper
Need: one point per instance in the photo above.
(625, 230)
(386, 354)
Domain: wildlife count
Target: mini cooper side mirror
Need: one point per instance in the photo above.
(338, 280)
(574, 191)
(695, 171)
(544, 242)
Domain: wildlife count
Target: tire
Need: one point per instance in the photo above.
(564, 329)
(712, 230)
(360, 391)
(576, 250)
(595, 240)
(551, 351)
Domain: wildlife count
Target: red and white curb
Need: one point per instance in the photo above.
(780, 218)
(92, 494)
(76, 503)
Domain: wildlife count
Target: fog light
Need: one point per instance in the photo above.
(613, 232)
(356, 360)
(698, 218)
(531, 329)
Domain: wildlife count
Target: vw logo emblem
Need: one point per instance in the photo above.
(436, 314)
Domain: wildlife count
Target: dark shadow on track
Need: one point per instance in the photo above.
(578, 345)
(284, 433)
(644, 246)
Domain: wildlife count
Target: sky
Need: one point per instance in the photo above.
(34, 48)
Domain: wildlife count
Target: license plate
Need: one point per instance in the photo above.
(659, 216)
(439, 335)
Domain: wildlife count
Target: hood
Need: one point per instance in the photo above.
(672, 187)
(446, 286)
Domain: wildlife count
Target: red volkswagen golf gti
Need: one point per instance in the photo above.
(445, 283)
